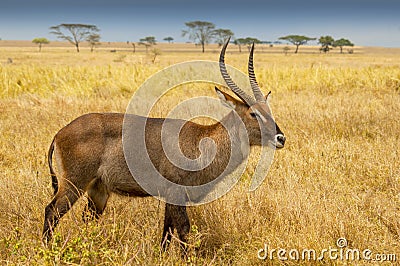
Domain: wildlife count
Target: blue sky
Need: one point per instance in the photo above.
(365, 22)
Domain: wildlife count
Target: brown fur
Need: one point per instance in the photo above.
(90, 158)
(90, 154)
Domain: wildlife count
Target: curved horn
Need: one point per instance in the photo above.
(239, 92)
(253, 82)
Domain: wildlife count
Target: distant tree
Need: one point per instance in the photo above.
(168, 39)
(155, 52)
(248, 41)
(200, 31)
(286, 49)
(326, 43)
(297, 40)
(134, 47)
(148, 42)
(40, 42)
(341, 43)
(74, 33)
(239, 42)
(221, 35)
(93, 40)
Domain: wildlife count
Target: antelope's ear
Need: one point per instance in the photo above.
(266, 96)
(226, 99)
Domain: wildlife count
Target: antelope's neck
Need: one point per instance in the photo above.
(230, 133)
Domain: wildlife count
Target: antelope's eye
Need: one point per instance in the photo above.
(253, 115)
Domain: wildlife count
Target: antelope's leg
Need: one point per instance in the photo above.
(97, 200)
(60, 205)
(168, 227)
(181, 223)
(175, 217)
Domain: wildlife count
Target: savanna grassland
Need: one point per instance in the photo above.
(337, 177)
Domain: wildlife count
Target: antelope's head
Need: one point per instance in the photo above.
(255, 113)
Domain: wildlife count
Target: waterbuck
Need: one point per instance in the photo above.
(90, 156)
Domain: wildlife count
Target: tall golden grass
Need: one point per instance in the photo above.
(338, 176)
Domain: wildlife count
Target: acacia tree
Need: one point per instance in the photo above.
(148, 42)
(341, 43)
(200, 31)
(168, 39)
(93, 40)
(40, 42)
(248, 41)
(74, 33)
(297, 40)
(286, 50)
(154, 53)
(221, 35)
(134, 47)
(326, 42)
(239, 42)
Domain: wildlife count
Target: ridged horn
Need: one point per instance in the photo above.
(253, 82)
(228, 80)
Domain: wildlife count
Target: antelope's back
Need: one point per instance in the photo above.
(81, 145)
(91, 146)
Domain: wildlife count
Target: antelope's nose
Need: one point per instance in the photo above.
(280, 140)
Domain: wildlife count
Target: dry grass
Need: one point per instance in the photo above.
(339, 175)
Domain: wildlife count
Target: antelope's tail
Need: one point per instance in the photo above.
(54, 181)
